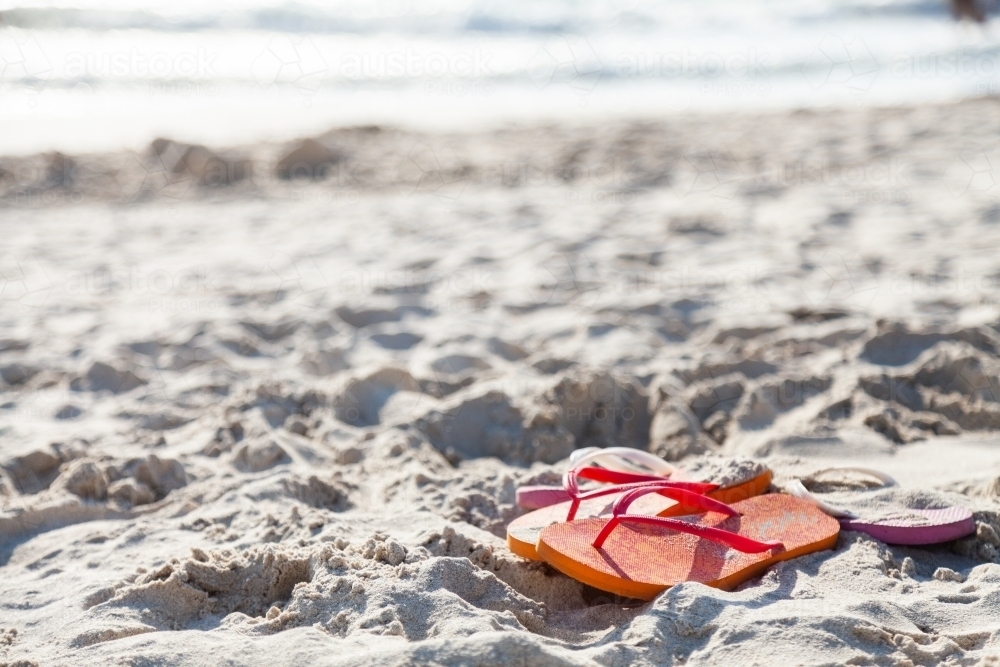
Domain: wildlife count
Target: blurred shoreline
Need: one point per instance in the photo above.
(114, 75)
(750, 153)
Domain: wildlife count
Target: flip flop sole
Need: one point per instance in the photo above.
(641, 561)
(522, 532)
(942, 525)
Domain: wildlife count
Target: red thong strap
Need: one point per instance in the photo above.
(734, 540)
(614, 476)
(571, 479)
(688, 493)
(629, 481)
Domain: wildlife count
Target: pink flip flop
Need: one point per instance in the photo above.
(614, 465)
(876, 513)
(720, 484)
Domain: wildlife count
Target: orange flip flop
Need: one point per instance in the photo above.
(640, 556)
(523, 532)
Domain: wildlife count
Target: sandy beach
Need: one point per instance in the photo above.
(250, 419)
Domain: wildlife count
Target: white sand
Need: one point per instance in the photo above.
(282, 423)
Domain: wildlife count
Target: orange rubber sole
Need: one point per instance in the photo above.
(641, 561)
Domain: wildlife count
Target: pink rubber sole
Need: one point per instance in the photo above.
(945, 525)
(537, 497)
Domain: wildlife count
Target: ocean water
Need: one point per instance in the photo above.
(100, 74)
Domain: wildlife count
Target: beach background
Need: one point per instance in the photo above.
(100, 75)
(266, 401)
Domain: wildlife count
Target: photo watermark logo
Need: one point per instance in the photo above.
(290, 61)
(974, 171)
(840, 280)
(569, 60)
(24, 281)
(839, 63)
(429, 170)
(22, 60)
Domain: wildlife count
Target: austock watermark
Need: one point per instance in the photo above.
(853, 280)
(351, 283)
(411, 63)
(977, 69)
(832, 280)
(879, 180)
(578, 278)
(724, 176)
(53, 179)
(305, 64)
(965, 64)
(459, 88)
(327, 196)
(688, 63)
(438, 170)
(984, 288)
(195, 289)
(56, 401)
(25, 62)
(139, 64)
(735, 74)
(186, 291)
(599, 196)
(47, 197)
